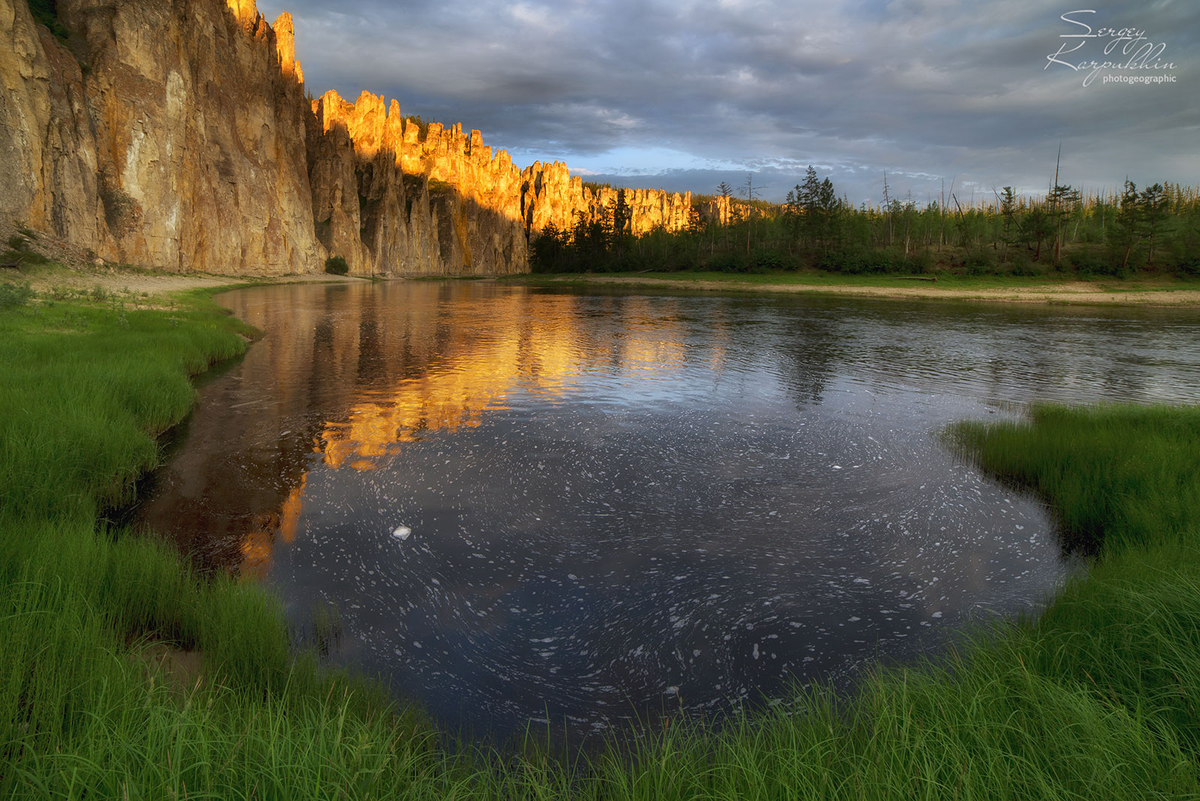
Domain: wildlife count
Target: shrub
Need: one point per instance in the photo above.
(1022, 266)
(1184, 253)
(13, 296)
(336, 265)
(686, 260)
(981, 262)
(920, 262)
(856, 261)
(727, 263)
(768, 260)
(1089, 261)
(1189, 264)
(21, 252)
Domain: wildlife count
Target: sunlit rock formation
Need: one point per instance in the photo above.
(393, 196)
(179, 136)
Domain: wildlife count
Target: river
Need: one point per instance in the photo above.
(581, 510)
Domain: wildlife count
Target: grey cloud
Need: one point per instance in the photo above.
(920, 88)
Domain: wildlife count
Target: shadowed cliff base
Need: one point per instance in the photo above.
(385, 221)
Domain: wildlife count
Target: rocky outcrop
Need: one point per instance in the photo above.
(179, 136)
(554, 196)
(474, 209)
(394, 196)
(47, 156)
(285, 47)
(718, 208)
(168, 135)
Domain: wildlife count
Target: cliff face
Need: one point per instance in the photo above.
(553, 196)
(180, 146)
(178, 135)
(396, 197)
(47, 156)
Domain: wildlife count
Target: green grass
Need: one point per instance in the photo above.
(1124, 483)
(83, 390)
(1097, 698)
(1119, 478)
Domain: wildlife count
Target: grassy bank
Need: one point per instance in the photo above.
(1098, 699)
(1149, 290)
(944, 280)
(84, 387)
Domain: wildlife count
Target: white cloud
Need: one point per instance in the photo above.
(537, 17)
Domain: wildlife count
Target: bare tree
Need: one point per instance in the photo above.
(751, 193)
(887, 207)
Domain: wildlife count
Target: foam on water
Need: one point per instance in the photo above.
(630, 506)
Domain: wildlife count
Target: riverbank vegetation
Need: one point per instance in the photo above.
(85, 384)
(1097, 698)
(1154, 230)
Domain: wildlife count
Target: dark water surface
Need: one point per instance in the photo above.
(622, 504)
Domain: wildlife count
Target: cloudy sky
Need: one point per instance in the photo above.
(687, 93)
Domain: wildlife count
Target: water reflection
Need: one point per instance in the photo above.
(627, 503)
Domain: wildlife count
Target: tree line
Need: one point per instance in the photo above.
(1155, 229)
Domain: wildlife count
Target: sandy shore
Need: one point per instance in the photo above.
(138, 283)
(1075, 292)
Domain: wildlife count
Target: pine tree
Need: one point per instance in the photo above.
(617, 221)
(1124, 232)
(1008, 213)
(1060, 203)
(1152, 208)
(726, 191)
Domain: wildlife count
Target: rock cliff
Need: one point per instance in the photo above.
(397, 197)
(178, 135)
(166, 135)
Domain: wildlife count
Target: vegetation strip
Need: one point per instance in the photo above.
(1167, 291)
(1065, 233)
(1098, 698)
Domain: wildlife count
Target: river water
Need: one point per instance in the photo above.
(552, 508)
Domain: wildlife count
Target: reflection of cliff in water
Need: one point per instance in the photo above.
(348, 374)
